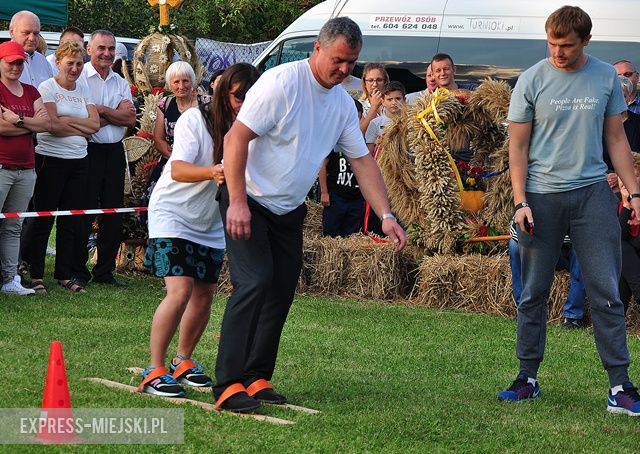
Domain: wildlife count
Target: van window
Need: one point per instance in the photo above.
(292, 50)
(476, 59)
(398, 48)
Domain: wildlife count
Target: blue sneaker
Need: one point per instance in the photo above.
(520, 390)
(157, 381)
(189, 372)
(625, 401)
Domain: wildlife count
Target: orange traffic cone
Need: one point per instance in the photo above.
(56, 417)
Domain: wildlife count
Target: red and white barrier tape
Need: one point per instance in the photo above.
(38, 214)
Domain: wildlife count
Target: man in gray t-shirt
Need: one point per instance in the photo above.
(559, 111)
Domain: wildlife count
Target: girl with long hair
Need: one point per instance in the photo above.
(374, 78)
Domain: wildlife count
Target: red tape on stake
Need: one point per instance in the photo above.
(39, 214)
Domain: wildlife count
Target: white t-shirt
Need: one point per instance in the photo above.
(374, 130)
(69, 103)
(187, 210)
(298, 122)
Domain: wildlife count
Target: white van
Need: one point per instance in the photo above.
(53, 38)
(498, 38)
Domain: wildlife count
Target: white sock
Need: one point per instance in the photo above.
(533, 381)
(616, 389)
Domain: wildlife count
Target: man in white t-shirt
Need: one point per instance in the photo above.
(290, 121)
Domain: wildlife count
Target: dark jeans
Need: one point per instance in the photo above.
(630, 276)
(264, 273)
(105, 189)
(574, 305)
(589, 215)
(342, 217)
(61, 185)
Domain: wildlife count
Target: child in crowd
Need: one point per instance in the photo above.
(340, 194)
(393, 102)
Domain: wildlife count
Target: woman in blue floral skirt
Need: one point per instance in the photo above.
(186, 234)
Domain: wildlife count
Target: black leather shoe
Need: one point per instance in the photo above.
(109, 281)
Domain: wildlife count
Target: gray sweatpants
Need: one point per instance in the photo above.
(589, 216)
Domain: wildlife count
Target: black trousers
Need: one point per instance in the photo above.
(630, 273)
(105, 189)
(264, 273)
(61, 185)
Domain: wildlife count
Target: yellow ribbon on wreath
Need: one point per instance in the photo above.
(439, 95)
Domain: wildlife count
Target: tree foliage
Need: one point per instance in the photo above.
(241, 21)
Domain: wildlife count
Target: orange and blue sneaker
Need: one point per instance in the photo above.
(189, 372)
(522, 388)
(625, 399)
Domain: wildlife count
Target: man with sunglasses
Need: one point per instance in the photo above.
(292, 118)
(627, 69)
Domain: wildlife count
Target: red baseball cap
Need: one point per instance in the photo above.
(11, 51)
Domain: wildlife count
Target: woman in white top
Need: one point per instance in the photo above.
(186, 234)
(62, 168)
(374, 78)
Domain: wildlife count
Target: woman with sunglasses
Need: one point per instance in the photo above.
(186, 234)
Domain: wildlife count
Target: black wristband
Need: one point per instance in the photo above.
(633, 196)
(520, 205)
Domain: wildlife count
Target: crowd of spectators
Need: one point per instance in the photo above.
(79, 163)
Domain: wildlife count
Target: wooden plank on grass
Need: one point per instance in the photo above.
(182, 401)
(207, 389)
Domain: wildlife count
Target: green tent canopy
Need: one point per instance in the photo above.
(51, 12)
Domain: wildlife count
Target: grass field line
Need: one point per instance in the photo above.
(207, 389)
(196, 403)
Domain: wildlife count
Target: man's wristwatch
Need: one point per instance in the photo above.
(20, 122)
(633, 196)
(388, 216)
(521, 205)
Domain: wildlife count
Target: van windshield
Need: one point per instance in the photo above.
(406, 57)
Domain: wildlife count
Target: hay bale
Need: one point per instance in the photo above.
(477, 283)
(313, 220)
(357, 267)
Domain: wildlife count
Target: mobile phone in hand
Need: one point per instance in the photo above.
(528, 227)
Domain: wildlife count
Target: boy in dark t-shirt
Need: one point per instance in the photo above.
(340, 195)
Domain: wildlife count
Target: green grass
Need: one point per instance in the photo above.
(387, 378)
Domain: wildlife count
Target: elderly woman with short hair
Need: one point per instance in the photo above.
(180, 79)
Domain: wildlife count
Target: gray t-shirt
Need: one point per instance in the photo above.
(567, 110)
